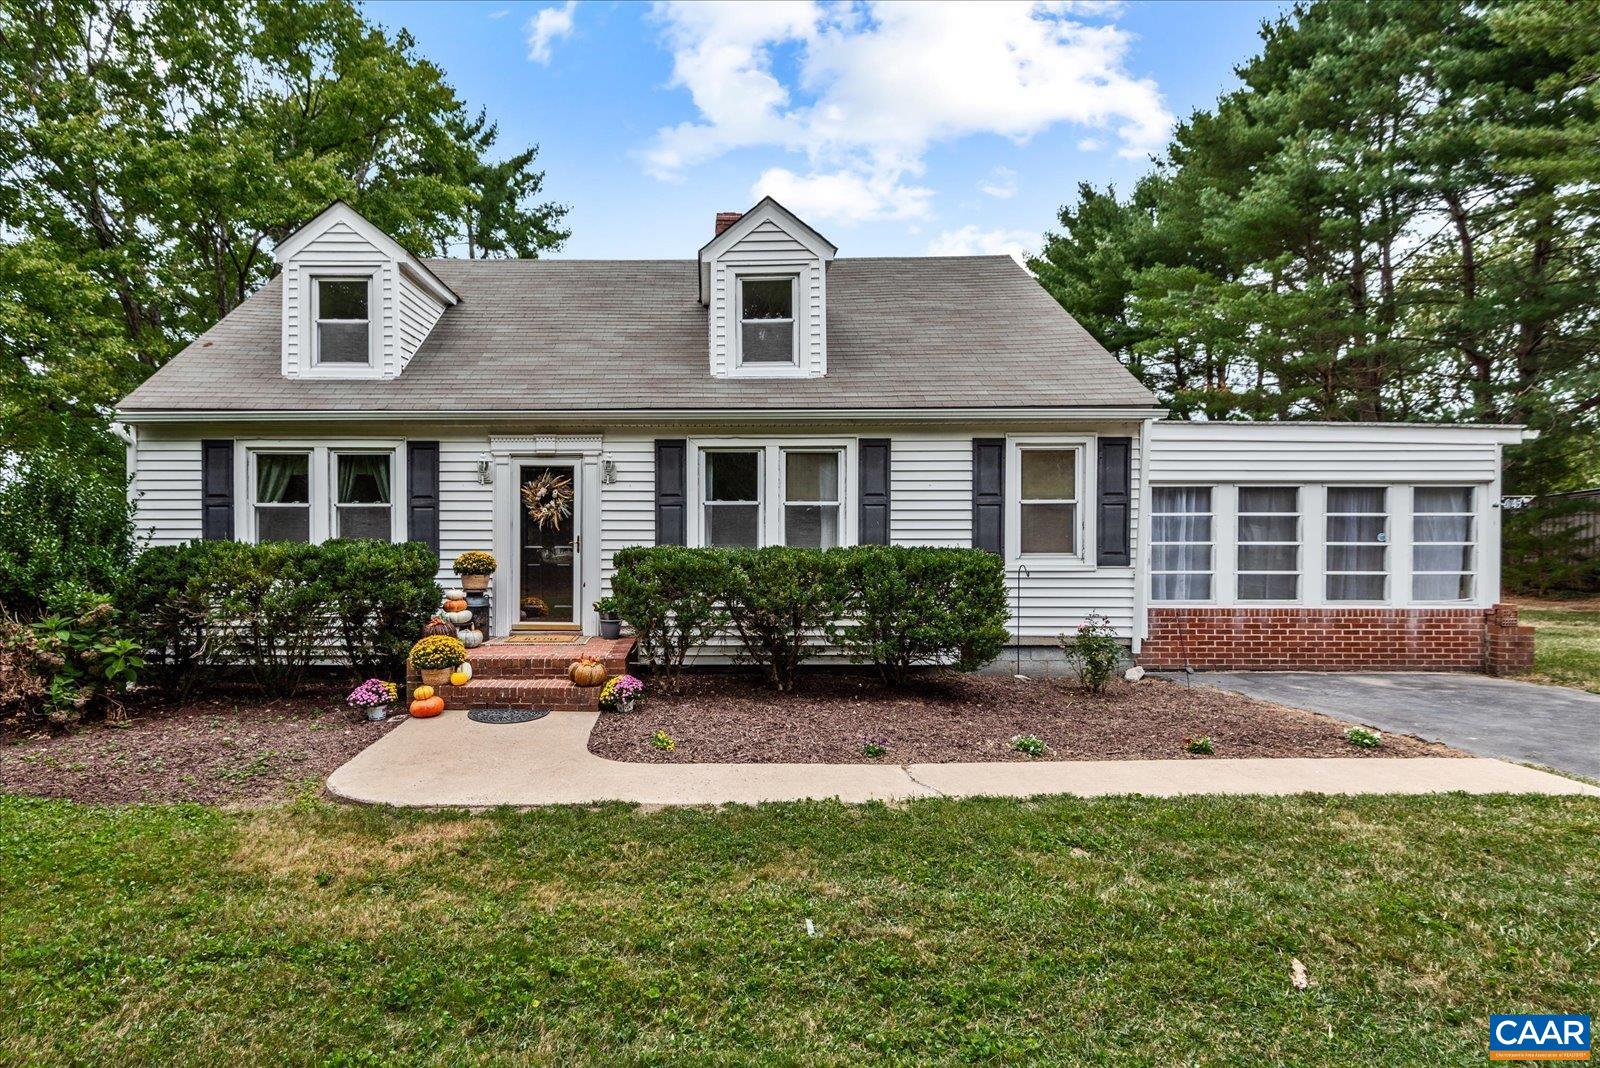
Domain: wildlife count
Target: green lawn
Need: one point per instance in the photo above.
(1082, 931)
(1566, 647)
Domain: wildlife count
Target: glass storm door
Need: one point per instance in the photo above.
(549, 552)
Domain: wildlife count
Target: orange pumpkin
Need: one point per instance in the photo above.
(430, 707)
(456, 604)
(587, 671)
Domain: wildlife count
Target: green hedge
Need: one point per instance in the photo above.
(275, 609)
(895, 607)
(62, 521)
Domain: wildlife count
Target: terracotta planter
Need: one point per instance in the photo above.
(475, 583)
(436, 677)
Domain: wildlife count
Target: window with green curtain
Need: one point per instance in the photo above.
(283, 496)
(363, 505)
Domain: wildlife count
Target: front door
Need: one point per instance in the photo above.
(548, 544)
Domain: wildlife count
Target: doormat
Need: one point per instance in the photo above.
(554, 638)
(507, 715)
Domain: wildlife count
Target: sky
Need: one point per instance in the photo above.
(893, 128)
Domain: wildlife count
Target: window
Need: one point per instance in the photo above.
(1049, 501)
(283, 496)
(766, 320)
(1180, 543)
(1269, 543)
(733, 498)
(362, 503)
(1443, 542)
(1358, 537)
(342, 324)
(811, 499)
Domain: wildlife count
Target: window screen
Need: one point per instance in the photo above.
(283, 497)
(1049, 501)
(1180, 543)
(733, 499)
(1269, 543)
(811, 503)
(362, 503)
(1357, 543)
(342, 321)
(1443, 543)
(766, 320)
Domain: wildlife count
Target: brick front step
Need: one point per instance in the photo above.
(558, 695)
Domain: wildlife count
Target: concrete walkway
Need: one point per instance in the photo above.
(1552, 726)
(452, 761)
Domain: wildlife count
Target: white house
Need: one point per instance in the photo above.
(770, 391)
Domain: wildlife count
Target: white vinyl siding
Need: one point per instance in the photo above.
(165, 488)
(419, 311)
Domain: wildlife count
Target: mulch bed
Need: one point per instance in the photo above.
(727, 719)
(216, 748)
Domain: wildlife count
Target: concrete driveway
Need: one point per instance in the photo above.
(1548, 725)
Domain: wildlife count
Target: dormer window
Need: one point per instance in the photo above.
(766, 321)
(343, 324)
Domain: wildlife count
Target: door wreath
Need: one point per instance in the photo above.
(548, 499)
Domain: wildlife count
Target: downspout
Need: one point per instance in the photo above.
(1141, 569)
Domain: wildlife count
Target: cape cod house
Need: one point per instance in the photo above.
(769, 391)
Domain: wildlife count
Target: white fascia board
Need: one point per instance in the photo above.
(634, 415)
(1504, 433)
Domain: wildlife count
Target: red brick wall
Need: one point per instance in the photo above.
(1339, 639)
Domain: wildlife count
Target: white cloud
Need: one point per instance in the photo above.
(972, 241)
(1091, 144)
(863, 91)
(502, 13)
(1001, 183)
(548, 26)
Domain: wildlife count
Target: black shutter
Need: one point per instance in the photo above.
(1114, 515)
(216, 490)
(874, 491)
(671, 491)
(989, 494)
(422, 492)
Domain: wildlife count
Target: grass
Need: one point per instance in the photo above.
(1566, 647)
(1115, 930)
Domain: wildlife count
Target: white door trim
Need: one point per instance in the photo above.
(508, 454)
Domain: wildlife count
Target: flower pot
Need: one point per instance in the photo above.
(626, 704)
(610, 627)
(435, 677)
(475, 583)
(378, 713)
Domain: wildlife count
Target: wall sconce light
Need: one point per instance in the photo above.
(484, 477)
(608, 471)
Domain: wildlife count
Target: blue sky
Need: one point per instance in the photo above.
(901, 129)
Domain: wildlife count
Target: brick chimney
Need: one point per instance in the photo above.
(726, 219)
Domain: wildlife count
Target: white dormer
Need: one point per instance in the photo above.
(355, 303)
(764, 281)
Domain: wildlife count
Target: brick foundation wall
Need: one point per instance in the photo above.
(1339, 639)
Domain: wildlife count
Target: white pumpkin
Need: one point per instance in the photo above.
(455, 595)
(465, 667)
(460, 618)
(471, 638)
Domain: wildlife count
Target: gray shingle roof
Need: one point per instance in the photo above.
(584, 335)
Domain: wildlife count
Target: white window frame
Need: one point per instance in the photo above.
(317, 320)
(761, 492)
(771, 476)
(1299, 543)
(395, 528)
(759, 366)
(1475, 543)
(1389, 490)
(1084, 445)
(838, 494)
(1214, 572)
(310, 506)
(323, 479)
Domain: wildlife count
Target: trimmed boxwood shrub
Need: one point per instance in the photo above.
(917, 606)
(894, 607)
(277, 608)
(671, 597)
(781, 602)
